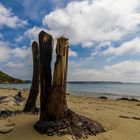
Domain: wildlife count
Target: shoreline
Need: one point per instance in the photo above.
(112, 96)
(89, 94)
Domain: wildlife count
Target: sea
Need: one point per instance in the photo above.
(111, 90)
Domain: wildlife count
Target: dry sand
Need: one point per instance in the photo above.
(115, 115)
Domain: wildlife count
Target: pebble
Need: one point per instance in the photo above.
(6, 129)
(6, 126)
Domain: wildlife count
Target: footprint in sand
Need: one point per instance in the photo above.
(6, 126)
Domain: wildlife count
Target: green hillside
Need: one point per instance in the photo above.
(5, 78)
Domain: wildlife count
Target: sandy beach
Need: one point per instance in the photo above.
(120, 118)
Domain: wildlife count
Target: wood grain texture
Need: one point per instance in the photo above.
(30, 105)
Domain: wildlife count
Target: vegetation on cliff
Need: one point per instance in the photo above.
(6, 79)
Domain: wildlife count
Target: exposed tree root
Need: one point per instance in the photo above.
(78, 126)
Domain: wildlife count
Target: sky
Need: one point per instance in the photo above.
(104, 36)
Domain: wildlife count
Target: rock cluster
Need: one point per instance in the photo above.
(4, 113)
(129, 99)
(13, 100)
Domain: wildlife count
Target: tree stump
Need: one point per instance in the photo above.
(55, 116)
(56, 105)
(46, 48)
(30, 105)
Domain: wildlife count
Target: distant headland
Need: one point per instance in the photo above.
(7, 79)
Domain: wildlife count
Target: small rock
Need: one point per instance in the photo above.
(133, 99)
(6, 126)
(127, 99)
(79, 124)
(123, 98)
(6, 129)
(103, 97)
(2, 97)
(19, 94)
(18, 98)
(121, 116)
(5, 113)
(135, 118)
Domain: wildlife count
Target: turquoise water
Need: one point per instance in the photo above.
(111, 90)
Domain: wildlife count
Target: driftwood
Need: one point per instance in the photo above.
(55, 116)
(30, 105)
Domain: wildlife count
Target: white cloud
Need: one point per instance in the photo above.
(127, 48)
(8, 19)
(87, 44)
(7, 53)
(35, 10)
(126, 71)
(16, 61)
(97, 49)
(104, 45)
(19, 39)
(4, 51)
(21, 52)
(94, 20)
(33, 32)
(72, 53)
(16, 65)
(125, 67)
(19, 68)
(1, 36)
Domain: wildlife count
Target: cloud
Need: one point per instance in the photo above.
(19, 68)
(33, 32)
(103, 45)
(21, 52)
(1, 36)
(16, 61)
(125, 71)
(72, 53)
(130, 47)
(94, 20)
(7, 18)
(14, 65)
(4, 51)
(7, 53)
(125, 67)
(19, 39)
(98, 48)
(87, 44)
(36, 10)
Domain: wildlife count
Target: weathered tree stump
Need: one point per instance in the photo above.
(56, 105)
(30, 105)
(56, 117)
(46, 48)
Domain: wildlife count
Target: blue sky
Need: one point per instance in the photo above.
(104, 36)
